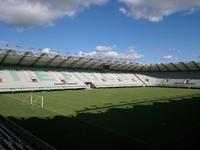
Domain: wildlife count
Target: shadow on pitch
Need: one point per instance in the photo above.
(163, 125)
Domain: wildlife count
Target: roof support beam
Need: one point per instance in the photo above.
(123, 66)
(150, 67)
(63, 61)
(49, 62)
(166, 67)
(37, 60)
(100, 62)
(134, 67)
(4, 58)
(119, 66)
(114, 64)
(88, 63)
(22, 58)
(96, 63)
(72, 64)
(158, 67)
(139, 68)
(187, 68)
(196, 65)
(175, 66)
(128, 66)
(104, 63)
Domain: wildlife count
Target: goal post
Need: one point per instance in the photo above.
(34, 100)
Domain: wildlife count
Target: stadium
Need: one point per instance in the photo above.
(99, 74)
(68, 102)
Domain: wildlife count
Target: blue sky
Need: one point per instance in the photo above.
(95, 26)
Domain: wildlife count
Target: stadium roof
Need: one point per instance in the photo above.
(19, 58)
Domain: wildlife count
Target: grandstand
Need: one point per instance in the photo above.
(143, 109)
(27, 71)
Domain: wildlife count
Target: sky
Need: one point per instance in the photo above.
(153, 31)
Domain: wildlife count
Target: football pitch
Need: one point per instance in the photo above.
(154, 117)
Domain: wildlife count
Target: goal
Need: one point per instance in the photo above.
(34, 100)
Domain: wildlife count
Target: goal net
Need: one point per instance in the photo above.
(34, 100)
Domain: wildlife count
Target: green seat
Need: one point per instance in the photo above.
(43, 76)
(14, 75)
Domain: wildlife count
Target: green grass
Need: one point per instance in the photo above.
(69, 102)
(150, 115)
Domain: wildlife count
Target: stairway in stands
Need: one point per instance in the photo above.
(144, 84)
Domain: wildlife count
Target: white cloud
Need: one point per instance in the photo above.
(49, 51)
(46, 50)
(174, 50)
(171, 50)
(169, 57)
(2, 42)
(110, 52)
(155, 10)
(132, 53)
(30, 13)
(123, 10)
(191, 11)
